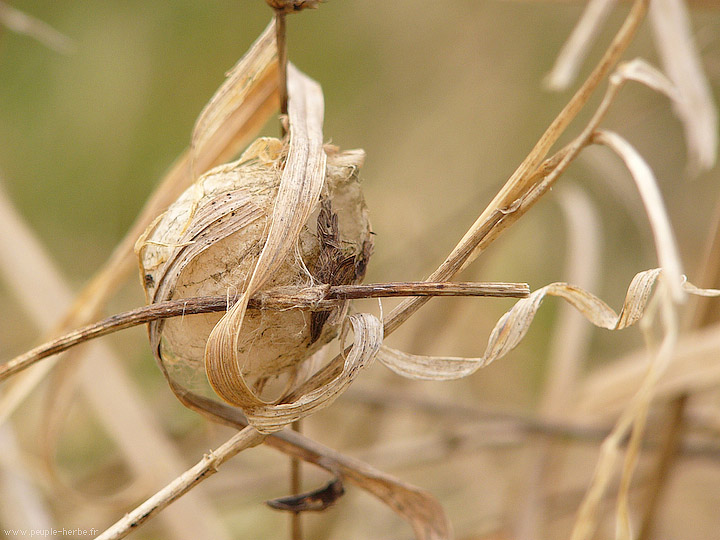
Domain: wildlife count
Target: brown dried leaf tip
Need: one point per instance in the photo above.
(288, 6)
(313, 501)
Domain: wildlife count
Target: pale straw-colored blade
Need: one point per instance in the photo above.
(368, 338)
(609, 388)
(233, 103)
(300, 185)
(575, 49)
(641, 71)
(682, 63)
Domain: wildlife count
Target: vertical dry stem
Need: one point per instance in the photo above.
(281, 39)
(296, 487)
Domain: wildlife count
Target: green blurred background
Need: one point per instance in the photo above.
(446, 98)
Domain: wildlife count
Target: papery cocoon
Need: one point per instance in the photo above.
(208, 243)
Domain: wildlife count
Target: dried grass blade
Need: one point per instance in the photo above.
(667, 252)
(513, 326)
(681, 60)
(640, 71)
(221, 112)
(300, 185)
(576, 47)
(694, 368)
(368, 338)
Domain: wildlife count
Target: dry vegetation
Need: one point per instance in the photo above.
(567, 431)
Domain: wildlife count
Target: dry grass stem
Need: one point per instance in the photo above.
(246, 438)
(417, 506)
(575, 49)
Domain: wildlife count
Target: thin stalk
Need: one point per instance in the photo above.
(296, 487)
(281, 41)
(670, 447)
(313, 298)
(207, 466)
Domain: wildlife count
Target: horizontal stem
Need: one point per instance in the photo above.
(320, 298)
(425, 288)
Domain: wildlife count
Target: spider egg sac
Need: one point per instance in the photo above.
(208, 242)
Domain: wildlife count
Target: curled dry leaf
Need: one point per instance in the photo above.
(254, 224)
(513, 326)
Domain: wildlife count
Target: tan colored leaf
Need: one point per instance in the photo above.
(639, 70)
(234, 102)
(22, 23)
